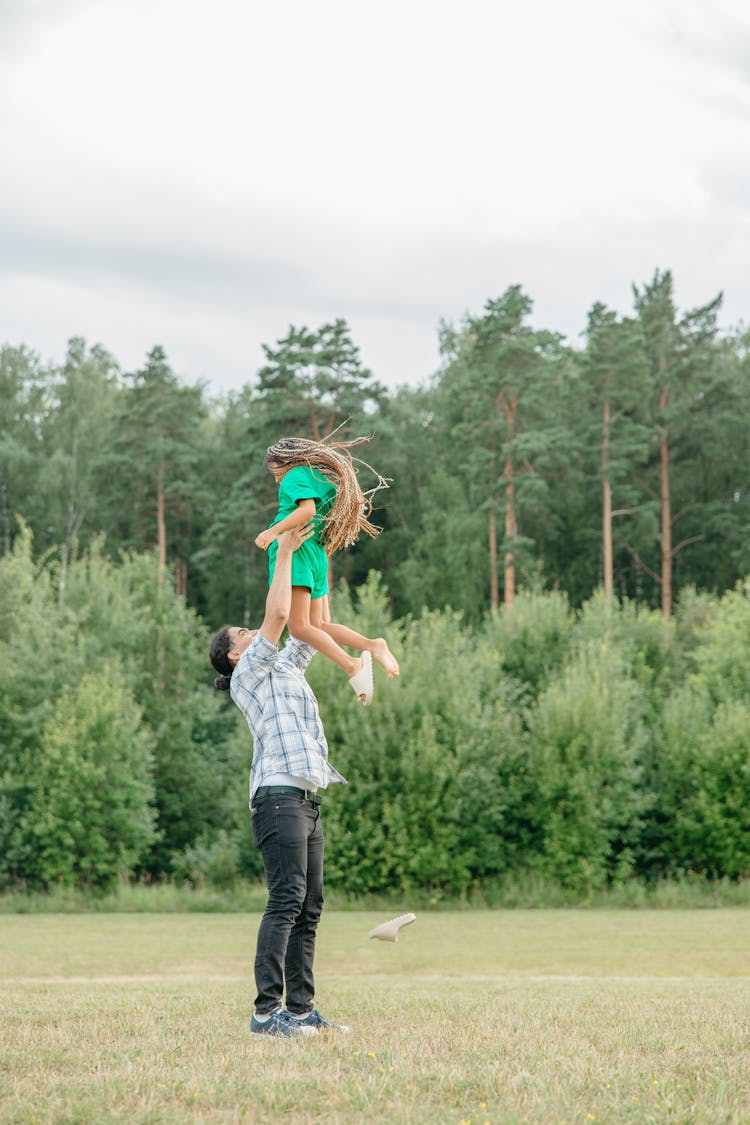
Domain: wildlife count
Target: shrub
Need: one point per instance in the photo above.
(586, 736)
(532, 639)
(214, 861)
(90, 818)
(705, 787)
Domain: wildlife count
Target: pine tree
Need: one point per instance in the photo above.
(498, 390)
(680, 362)
(153, 470)
(614, 368)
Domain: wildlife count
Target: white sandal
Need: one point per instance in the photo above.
(388, 931)
(362, 681)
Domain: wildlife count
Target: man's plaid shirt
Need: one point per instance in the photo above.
(270, 689)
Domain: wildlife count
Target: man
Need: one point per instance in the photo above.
(289, 768)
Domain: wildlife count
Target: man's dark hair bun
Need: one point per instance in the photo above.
(222, 683)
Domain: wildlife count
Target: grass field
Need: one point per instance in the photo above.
(477, 1016)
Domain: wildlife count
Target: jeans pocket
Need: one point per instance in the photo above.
(256, 819)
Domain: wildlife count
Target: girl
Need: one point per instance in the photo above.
(318, 482)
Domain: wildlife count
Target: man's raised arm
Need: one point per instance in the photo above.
(279, 599)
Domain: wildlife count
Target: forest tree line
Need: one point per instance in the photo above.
(599, 493)
(523, 463)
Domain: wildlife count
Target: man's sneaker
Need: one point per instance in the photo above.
(281, 1023)
(313, 1021)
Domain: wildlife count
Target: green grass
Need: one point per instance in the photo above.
(693, 890)
(474, 1016)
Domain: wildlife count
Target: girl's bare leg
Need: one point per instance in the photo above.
(343, 635)
(304, 630)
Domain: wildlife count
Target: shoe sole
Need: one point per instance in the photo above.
(283, 1035)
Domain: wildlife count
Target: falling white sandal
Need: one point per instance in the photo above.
(362, 681)
(388, 931)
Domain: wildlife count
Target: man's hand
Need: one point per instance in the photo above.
(265, 539)
(291, 540)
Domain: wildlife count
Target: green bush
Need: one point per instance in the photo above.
(580, 751)
(115, 629)
(722, 655)
(586, 738)
(703, 765)
(438, 791)
(705, 786)
(214, 861)
(90, 818)
(533, 639)
(645, 643)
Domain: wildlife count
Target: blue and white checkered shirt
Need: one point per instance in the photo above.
(270, 689)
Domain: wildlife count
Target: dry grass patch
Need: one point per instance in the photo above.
(500, 1017)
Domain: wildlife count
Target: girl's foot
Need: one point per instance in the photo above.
(384, 656)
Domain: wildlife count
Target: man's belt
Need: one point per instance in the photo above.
(306, 794)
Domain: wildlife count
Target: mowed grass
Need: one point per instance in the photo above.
(486, 1016)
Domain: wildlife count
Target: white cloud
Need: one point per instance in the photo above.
(202, 176)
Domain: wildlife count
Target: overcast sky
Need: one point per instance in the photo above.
(203, 173)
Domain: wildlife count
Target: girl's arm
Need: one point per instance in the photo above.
(305, 512)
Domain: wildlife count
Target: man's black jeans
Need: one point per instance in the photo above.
(288, 831)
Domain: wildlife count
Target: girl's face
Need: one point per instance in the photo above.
(277, 471)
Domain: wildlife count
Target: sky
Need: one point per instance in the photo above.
(201, 174)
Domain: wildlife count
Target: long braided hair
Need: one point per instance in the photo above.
(350, 511)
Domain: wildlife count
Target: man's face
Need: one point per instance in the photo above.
(240, 638)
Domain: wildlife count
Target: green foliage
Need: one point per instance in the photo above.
(313, 381)
(23, 409)
(150, 479)
(722, 657)
(496, 435)
(78, 430)
(442, 568)
(90, 817)
(644, 640)
(163, 727)
(164, 647)
(86, 450)
(533, 638)
(38, 659)
(523, 746)
(705, 786)
(211, 859)
(704, 763)
(416, 811)
(586, 736)
(573, 738)
(567, 747)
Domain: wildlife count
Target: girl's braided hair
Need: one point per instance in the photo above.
(350, 510)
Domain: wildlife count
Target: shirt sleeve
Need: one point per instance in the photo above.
(297, 653)
(299, 484)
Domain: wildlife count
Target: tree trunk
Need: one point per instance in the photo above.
(70, 525)
(511, 524)
(492, 536)
(511, 530)
(666, 513)
(607, 510)
(161, 523)
(66, 551)
(180, 577)
(6, 520)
